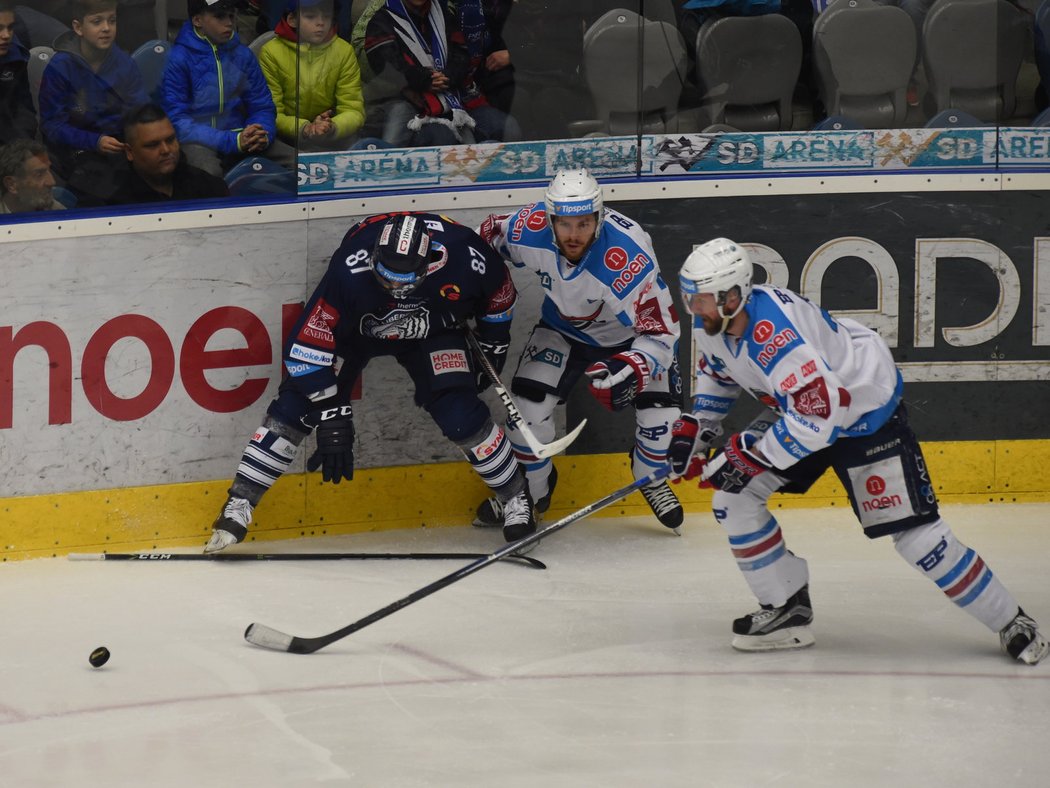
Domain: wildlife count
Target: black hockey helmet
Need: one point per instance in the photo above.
(402, 254)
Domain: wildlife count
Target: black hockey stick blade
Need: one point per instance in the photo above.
(245, 557)
(275, 640)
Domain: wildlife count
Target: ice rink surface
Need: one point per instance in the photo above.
(611, 668)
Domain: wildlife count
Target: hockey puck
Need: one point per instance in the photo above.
(99, 657)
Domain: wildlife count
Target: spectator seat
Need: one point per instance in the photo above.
(863, 56)
(746, 70)
(972, 53)
(619, 48)
(954, 118)
(151, 59)
(43, 29)
(39, 57)
(257, 43)
(256, 176)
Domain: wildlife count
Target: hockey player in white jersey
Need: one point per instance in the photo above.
(835, 397)
(606, 314)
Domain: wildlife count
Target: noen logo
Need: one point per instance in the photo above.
(875, 485)
(773, 345)
(616, 258)
(763, 331)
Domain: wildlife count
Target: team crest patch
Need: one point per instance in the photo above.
(813, 399)
(450, 291)
(318, 327)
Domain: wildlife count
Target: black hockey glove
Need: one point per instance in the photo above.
(334, 430)
(690, 439)
(496, 353)
(616, 381)
(734, 465)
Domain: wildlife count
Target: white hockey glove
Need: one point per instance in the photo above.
(616, 381)
(690, 439)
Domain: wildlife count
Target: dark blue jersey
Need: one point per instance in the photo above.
(351, 316)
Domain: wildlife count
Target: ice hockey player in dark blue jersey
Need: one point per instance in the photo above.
(400, 285)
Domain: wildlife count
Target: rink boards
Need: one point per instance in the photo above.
(137, 353)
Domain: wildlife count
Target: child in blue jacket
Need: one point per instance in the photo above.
(84, 92)
(216, 95)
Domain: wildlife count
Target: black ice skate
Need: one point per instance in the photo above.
(490, 511)
(665, 505)
(773, 628)
(231, 526)
(1023, 641)
(519, 520)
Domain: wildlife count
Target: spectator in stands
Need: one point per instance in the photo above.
(17, 114)
(158, 171)
(314, 78)
(482, 23)
(216, 95)
(25, 178)
(85, 90)
(440, 104)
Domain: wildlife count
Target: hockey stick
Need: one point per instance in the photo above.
(514, 417)
(232, 557)
(267, 637)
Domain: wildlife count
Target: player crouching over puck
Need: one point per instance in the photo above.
(836, 395)
(400, 285)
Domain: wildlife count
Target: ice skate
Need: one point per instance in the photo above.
(1023, 641)
(490, 511)
(231, 526)
(773, 628)
(665, 505)
(519, 520)
(489, 514)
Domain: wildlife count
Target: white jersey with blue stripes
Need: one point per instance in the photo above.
(826, 377)
(612, 296)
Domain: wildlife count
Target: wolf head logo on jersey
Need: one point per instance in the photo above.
(397, 324)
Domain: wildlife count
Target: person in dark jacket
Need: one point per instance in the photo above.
(159, 172)
(216, 95)
(85, 90)
(420, 44)
(17, 114)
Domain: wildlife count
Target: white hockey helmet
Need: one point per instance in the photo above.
(574, 193)
(717, 267)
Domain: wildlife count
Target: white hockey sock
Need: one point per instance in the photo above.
(772, 571)
(652, 437)
(958, 571)
(539, 417)
(266, 458)
(490, 454)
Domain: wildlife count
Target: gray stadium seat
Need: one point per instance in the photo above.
(746, 69)
(863, 56)
(257, 43)
(611, 63)
(151, 58)
(44, 29)
(972, 53)
(39, 57)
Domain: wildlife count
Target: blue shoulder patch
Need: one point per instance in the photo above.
(771, 335)
(618, 261)
(530, 227)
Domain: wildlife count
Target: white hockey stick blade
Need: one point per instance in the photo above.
(267, 637)
(543, 451)
(86, 557)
